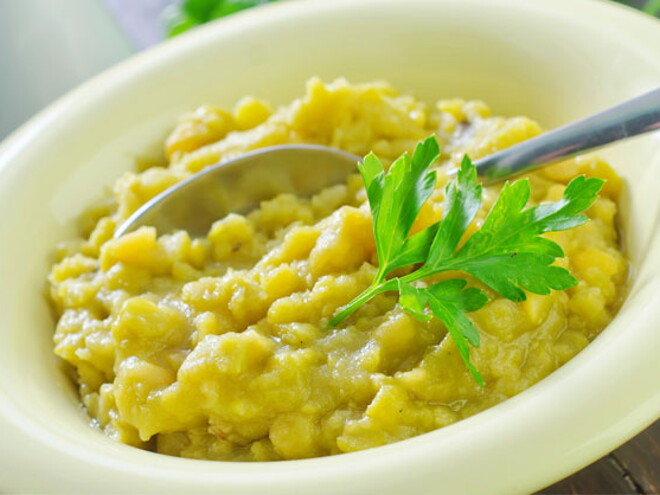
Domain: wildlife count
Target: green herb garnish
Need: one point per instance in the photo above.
(506, 254)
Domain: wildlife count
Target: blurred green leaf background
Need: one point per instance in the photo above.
(651, 7)
(190, 13)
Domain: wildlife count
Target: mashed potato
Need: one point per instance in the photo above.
(217, 348)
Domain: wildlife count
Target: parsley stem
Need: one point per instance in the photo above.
(419, 274)
(380, 276)
(374, 289)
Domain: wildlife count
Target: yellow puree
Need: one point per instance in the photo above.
(216, 348)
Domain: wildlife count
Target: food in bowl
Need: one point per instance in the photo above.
(220, 348)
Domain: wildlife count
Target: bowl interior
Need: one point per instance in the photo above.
(554, 61)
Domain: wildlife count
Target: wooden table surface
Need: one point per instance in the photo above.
(634, 468)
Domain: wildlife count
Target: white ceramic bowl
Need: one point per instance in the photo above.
(554, 60)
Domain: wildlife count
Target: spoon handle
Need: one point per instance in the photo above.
(636, 116)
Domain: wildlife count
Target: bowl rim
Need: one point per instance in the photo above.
(308, 472)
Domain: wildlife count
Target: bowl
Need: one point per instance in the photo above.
(553, 60)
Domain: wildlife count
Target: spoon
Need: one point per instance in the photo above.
(239, 185)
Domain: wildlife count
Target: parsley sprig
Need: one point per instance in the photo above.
(507, 254)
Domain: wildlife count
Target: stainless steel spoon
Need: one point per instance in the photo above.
(239, 185)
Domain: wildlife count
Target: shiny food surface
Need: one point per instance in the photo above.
(217, 348)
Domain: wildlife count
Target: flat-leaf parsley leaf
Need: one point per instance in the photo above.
(507, 254)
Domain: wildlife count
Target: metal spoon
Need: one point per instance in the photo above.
(239, 185)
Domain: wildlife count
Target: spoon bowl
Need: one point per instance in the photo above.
(239, 185)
